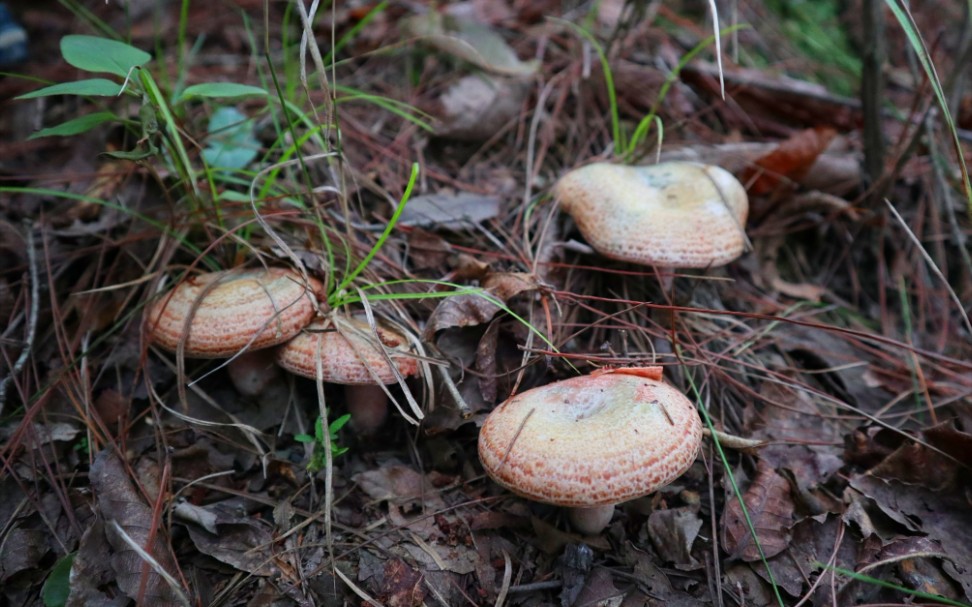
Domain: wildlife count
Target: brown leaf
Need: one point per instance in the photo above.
(460, 311)
(933, 464)
(473, 309)
(770, 510)
(401, 485)
(240, 542)
(944, 518)
(672, 532)
(119, 502)
(789, 161)
(402, 585)
(506, 285)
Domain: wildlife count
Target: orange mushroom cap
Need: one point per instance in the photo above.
(346, 356)
(674, 214)
(232, 310)
(594, 440)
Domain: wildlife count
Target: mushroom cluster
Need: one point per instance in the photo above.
(241, 313)
(591, 442)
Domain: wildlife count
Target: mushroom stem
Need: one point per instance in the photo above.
(368, 406)
(252, 372)
(590, 521)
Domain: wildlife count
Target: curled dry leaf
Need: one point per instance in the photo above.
(240, 542)
(469, 41)
(473, 309)
(770, 508)
(672, 532)
(788, 162)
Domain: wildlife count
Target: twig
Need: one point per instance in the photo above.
(31, 318)
(872, 87)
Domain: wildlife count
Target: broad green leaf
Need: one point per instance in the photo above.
(231, 144)
(57, 587)
(94, 54)
(222, 89)
(76, 126)
(94, 87)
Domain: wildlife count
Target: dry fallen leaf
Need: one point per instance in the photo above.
(128, 518)
(770, 510)
(449, 211)
(401, 585)
(473, 309)
(672, 533)
(788, 162)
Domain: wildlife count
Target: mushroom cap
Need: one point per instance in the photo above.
(346, 356)
(594, 440)
(236, 309)
(674, 214)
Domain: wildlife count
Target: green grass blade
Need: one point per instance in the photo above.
(619, 142)
(910, 28)
(860, 577)
(641, 131)
(735, 489)
(349, 278)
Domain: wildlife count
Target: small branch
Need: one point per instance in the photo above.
(31, 319)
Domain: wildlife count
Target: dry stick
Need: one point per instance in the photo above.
(507, 578)
(328, 455)
(31, 318)
(872, 87)
(464, 410)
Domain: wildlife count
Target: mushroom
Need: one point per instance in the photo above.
(592, 442)
(351, 357)
(670, 215)
(220, 314)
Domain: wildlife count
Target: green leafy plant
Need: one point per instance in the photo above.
(320, 441)
(157, 124)
(57, 587)
(623, 146)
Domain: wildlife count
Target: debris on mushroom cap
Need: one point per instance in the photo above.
(675, 214)
(348, 354)
(594, 440)
(232, 310)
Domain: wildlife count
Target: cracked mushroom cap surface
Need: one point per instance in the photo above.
(232, 310)
(347, 355)
(594, 440)
(673, 214)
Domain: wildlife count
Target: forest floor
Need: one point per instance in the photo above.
(839, 343)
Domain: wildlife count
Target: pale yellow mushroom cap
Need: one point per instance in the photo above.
(674, 214)
(232, 310)
(595, 440)
(346, 356)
